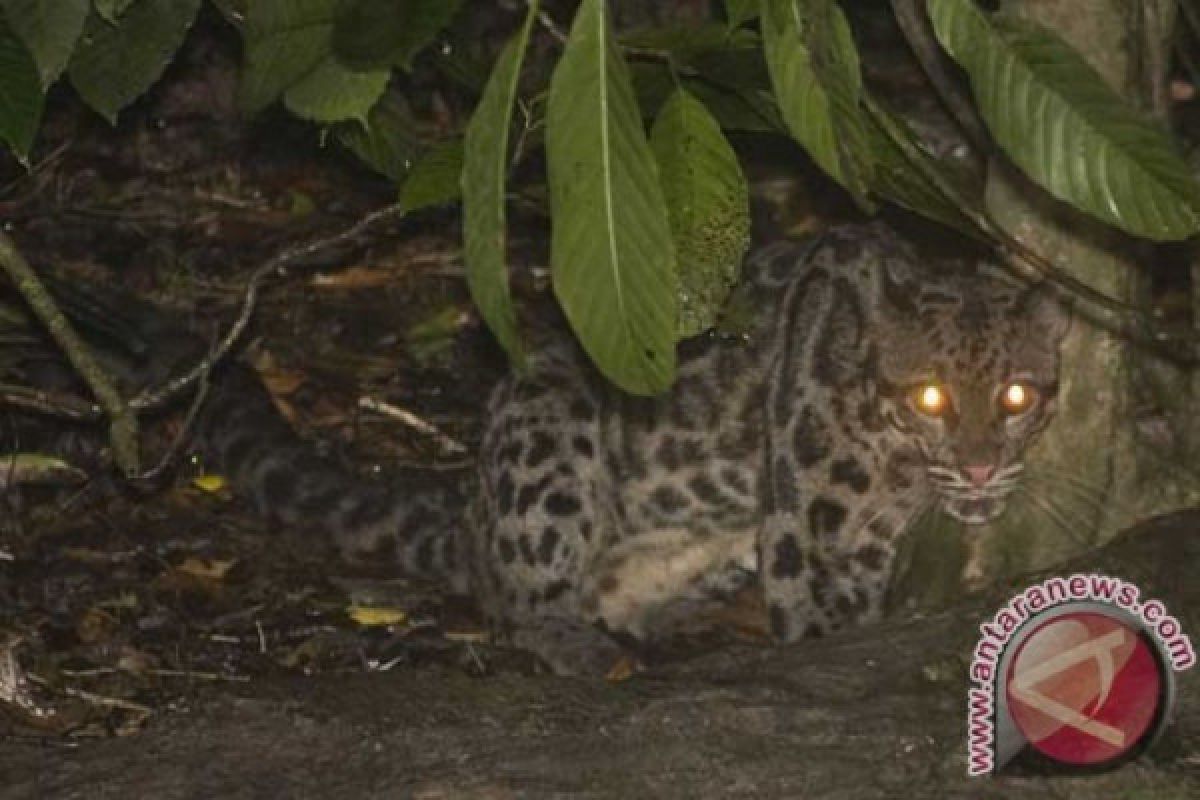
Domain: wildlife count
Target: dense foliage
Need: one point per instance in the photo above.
(647, 200)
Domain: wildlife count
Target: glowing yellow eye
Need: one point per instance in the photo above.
(931, 400)
(1017, 397)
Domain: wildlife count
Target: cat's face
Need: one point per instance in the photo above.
(969, 382)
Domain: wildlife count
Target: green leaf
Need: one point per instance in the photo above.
(735, 109)
(910, 176)
(686, 41)
(739, 12)
(49, 29)
(332, 93)
(111, 10)
(611, 252)
(748, 110)
(1061, 123)
(20, 93)
(464, 64)
(707, 206)
(284, 40)
(436, 179)
(113, 65)
(390, 141)
(727, 58)
(289, 51)
(369, 32)
(485, 166)
(814, 69)
(373, 34)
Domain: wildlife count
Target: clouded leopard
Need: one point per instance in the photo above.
(872, 385)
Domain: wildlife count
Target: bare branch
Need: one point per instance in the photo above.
(122, 419)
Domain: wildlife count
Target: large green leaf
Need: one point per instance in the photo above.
(707, 205)
(814, 68)
(436, 178)
(739, 12)
(735, 109)
(1062, 124)
(485, 167)
(389, 142)
(727, 58)
(684, 42)
(332, 93)
(289, 51)
(49, 28)
(611, 255)
(111, 10)
(113, 65)
(284, 40)
(20, 93)
(374, 34)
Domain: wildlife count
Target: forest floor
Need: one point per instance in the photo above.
(876, 713)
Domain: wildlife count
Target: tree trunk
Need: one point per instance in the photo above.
(1092, 472)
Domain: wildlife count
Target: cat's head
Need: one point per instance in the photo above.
(969, 379)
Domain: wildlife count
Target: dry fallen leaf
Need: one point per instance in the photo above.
(96, 625)
(212, 569)
(622, 670)
(353, 278)
(281, 382)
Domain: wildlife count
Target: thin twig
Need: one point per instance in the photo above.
(50, 403)
(159, 396)
(445, 443)
(547, 22)
(200, 676)
(148, 479)
(102, 700)
(910, 16)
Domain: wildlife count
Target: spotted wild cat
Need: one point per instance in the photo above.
(872, 386)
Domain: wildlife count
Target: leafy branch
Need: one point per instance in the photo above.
(646, 244)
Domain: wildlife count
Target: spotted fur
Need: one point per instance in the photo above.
(793, 454)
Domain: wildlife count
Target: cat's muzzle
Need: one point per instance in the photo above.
(971, 504)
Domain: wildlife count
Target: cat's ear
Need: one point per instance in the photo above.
(899, 287)
(1049, 318)
(899, 272)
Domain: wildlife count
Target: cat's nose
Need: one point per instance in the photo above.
(979, 474)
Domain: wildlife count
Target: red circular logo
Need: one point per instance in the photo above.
(1085, 688)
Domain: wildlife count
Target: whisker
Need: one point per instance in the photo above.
(1067, 477)
(1066, 523)
(1092, 497)
(1087, 495)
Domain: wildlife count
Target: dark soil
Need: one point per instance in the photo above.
(877, 713)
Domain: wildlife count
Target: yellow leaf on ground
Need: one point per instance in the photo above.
(373, 616)
(209, 482)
